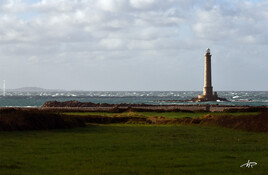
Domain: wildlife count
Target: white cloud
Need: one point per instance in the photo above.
(112, 5)
(240, 23)
(111, 43)
(142, 4)
(13, 6)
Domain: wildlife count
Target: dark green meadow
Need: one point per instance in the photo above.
(133, 149)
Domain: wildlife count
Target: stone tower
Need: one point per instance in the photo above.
(208, 90)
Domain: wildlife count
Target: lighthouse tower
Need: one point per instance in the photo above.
(208, 89)
(207, 83)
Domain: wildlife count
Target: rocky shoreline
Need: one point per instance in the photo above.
(91, 107)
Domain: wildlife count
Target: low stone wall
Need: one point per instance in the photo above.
(156, 108)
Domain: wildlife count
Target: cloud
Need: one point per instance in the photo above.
(103, 33)
(13, 6)
(143, 4)
(240, 23)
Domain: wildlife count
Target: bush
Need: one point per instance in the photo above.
(18, 119)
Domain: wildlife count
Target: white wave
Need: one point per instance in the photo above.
(55, 95)
(236, 96)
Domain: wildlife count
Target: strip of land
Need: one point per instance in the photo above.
(88, 106)
(60, 115)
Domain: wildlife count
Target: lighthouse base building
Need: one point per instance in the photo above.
(213, 97)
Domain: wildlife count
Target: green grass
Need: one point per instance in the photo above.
(164, 114)
(133, 149)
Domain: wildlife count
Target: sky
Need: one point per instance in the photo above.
(133, 45)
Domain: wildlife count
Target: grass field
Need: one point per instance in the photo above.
(133, 149)
(164, 114)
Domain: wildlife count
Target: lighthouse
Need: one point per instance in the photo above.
(207, 82)
(208, 89)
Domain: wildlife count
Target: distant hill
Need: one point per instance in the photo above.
(33, 89)
(29, 89)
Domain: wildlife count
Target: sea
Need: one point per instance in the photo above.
(37, 99)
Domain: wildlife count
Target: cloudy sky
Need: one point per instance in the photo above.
(133, 44)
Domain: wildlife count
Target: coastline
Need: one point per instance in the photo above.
(142, 107)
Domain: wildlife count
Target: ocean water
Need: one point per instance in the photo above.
(36, 99)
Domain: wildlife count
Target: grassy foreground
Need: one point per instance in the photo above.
(133, 149)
